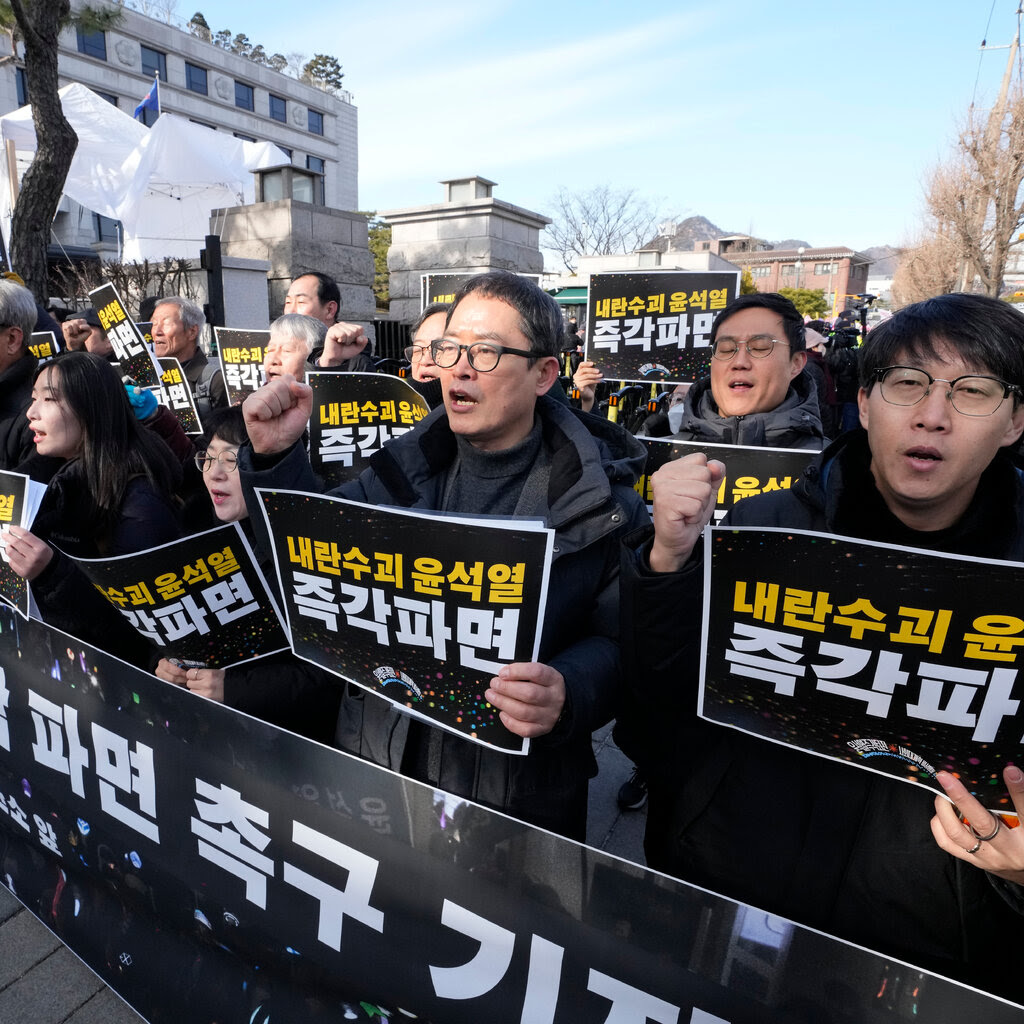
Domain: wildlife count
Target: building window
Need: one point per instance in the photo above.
(705, 246)
(788, 270)
(279, 108)
(108, 96)
(154, 63)
(107, 230)
(286, 150)
(760, 271)
(244, 97)
(824, 268)
(93, 44)
(195, 78)
(316, 122)
(21, 86)
(317, 166)
(212, 127)
(149, 117)
(244, 138)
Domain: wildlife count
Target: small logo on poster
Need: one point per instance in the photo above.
(387, 674)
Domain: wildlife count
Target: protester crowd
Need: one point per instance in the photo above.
(912, 439)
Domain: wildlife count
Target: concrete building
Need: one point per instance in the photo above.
(469, 231)
(214, 87)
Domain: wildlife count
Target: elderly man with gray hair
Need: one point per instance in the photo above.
(177, 323)
(293, 338)
(17, 370)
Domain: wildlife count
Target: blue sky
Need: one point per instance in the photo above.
(794, 119)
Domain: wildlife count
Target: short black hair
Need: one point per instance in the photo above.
(326, 288)
(540, 318)
(792, 320)
(987, 334)
(432, 310)
(227, 424)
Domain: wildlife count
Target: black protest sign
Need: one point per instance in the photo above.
(897, 660)
(209, 866)
(127, 340)
(656, 325)
(43, 345)
(241, 355)
(200, 599)
(19, 501)
(748, 471)
(422, 609)
(354, 416)
(440, 287)
(175, 394)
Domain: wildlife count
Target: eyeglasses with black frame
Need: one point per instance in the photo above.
(483, 356)
(973, 394)
(417, 350)
(228, 461)
(760, 346)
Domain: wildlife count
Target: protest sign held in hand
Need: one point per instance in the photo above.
(895, 659)
(19, 502)
(354, 416)
(200, 599)
(655, 325)
(128, 342)
(241, 355)
(421, 608)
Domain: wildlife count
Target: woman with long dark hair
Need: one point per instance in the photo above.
(113, 494)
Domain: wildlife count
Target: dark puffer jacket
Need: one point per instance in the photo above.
(825, 844)
(15, 397)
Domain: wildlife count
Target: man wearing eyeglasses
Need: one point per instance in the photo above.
(757, 393)
(499, 446)
(860, 856)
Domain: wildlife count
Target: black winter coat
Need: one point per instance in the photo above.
(590, 504)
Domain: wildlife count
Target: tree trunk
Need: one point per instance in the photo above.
(56, 141)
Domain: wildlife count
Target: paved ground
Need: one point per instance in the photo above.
(41, 982)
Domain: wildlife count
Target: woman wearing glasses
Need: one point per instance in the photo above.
(280, 688)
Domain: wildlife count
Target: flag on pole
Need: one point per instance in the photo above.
(151, 100)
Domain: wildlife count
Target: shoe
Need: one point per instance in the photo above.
(633, 792)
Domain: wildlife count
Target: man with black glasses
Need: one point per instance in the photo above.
(861, 856)
(499, 446)
(757, 393)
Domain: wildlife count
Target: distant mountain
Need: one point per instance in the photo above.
(681, 236)
(885, 258)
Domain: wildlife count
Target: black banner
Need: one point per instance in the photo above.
(422, 609)
(201, 599)
(898, 660)
(354, 416)
(241, 355)
(213, 868)
(748, 471)
(656, 325)
(127, 340)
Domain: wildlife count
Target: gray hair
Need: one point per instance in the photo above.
(18, 309)
(298, 325)
(190, 313)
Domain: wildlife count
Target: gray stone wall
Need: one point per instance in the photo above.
(476, 235)
(296, 238)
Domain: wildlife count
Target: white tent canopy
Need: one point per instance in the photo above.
(162, 182)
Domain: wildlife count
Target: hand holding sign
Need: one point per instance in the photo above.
(530, 697)
(277, 414)
(27, 555)
(684, 492)
(989, 843)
